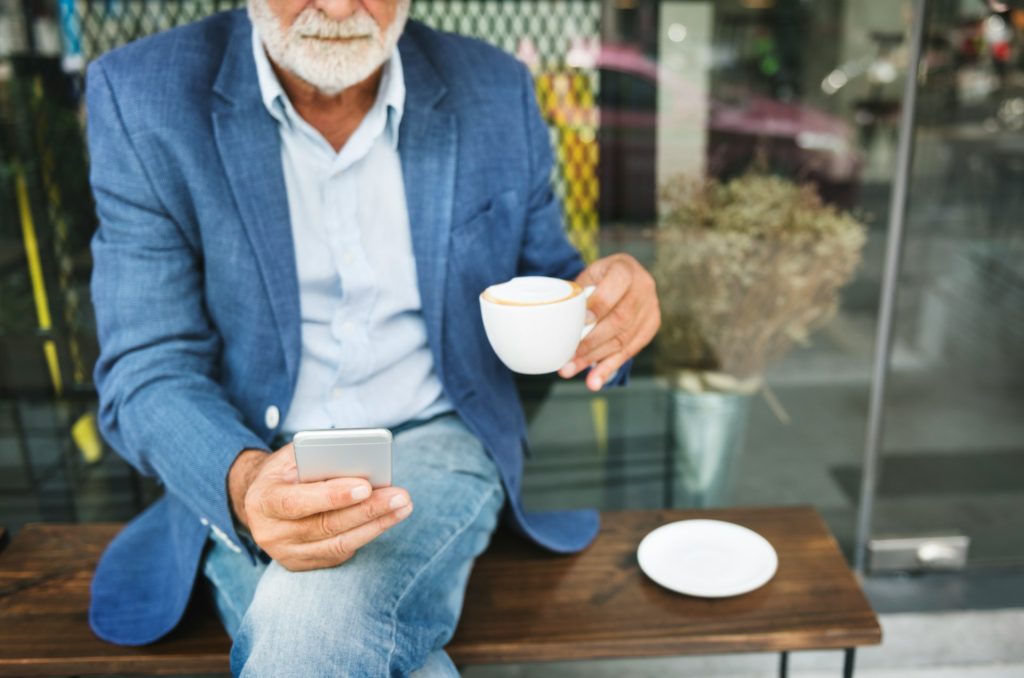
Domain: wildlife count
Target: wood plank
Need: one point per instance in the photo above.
(522, 604)
(44, 599)
(526, 606)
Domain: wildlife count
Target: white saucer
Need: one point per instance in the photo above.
(707, 558)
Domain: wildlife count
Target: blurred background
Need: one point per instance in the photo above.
(746, 151)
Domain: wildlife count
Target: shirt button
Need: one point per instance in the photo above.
(273, 417)
(336, 393)
(347, 328)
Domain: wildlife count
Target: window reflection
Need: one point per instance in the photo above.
(637, 93)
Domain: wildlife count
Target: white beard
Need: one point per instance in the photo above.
(328, 65)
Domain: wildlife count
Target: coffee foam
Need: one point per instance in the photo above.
(531, 291)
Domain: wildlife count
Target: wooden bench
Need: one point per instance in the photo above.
(522, 605)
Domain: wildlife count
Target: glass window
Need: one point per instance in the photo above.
(744, 150)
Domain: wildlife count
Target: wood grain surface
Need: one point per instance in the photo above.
(521, 605)
(44, 598)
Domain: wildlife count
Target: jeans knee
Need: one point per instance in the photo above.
(309, 624)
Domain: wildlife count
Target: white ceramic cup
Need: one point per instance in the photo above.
(535, 323)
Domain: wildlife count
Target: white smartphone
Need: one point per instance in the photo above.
(344, 453)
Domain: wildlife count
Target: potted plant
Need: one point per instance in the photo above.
(745, 269)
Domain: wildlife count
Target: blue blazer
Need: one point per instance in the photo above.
(196, 295)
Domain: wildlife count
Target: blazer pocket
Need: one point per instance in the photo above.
(485, 246)
(485, 218)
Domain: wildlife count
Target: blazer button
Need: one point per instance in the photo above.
(273, 417)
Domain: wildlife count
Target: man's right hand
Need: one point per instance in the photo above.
(308, 526)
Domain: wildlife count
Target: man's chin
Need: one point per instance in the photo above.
(333, 84)
(347, 71)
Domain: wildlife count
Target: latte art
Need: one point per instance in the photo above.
(532, 291)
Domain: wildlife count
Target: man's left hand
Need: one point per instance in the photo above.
(625, 306)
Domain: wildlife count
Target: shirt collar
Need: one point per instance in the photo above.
(390, 94)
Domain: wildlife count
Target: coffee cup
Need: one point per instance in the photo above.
(535, 323)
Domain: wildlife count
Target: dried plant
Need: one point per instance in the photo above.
(745, 269)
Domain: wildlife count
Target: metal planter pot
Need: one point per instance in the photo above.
(707, 434)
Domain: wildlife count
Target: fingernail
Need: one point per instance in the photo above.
(360, 493)
(596, 383)
(404, 513)
(398, 501)
(567, 370)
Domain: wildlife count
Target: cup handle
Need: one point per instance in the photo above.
(587, 291)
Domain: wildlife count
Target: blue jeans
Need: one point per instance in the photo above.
(391, 609)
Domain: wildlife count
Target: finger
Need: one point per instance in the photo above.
(586, 357)
(330, 523)
(604, 370)
(593, 274)
(610, 290)
(617, 344)
(639, 307)
(339, 548)
(598, 270)
(610, 335)
(291, 501)
(616, 327)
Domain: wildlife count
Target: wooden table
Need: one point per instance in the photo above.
(599, 603)
(522, 605)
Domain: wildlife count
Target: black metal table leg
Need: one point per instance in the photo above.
(783, 664)
(848, 662)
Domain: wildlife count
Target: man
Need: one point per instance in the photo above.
(297, 215)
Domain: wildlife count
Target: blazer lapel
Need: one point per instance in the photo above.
(427, 145)
(250, 150)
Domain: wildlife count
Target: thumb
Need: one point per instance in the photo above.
(593, 274)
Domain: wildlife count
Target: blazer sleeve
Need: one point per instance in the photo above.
(546, 249)
(161, 406)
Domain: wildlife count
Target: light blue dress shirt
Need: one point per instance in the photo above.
(365, 359)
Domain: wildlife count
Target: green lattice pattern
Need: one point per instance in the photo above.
(543, 33)
(106, 24)
(551, 27)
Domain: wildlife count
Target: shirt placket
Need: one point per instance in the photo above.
(352, 315)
